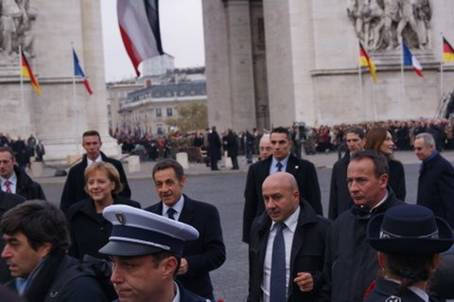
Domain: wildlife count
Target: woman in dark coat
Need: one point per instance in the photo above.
(89, 229)
(381, 140)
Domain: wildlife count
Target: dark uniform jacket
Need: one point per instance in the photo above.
(204, 254)
(397, 178)
(436, 187)
(90, 231)
(339, 196)
(307, 253)
(73, 190)
(387, 291)
(305, 175)
(26, 187)
(7, 201)
(187, 296)
(351, 264)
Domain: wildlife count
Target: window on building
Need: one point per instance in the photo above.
(158, 112)
(169, 112)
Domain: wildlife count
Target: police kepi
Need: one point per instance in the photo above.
(408, 239)
(146, 249)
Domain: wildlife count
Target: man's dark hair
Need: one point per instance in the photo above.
(411, 269)
(169, 163)
(9, 150)
(91, 133)
(40, 221)
(380, 162)
(159, 256)
(356, 130)
(281, 130)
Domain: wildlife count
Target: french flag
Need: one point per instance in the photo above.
(79, 72)
(410, 60)
(139, 29)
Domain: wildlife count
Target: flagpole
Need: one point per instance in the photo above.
(402, 72)
(75, 102)
(360, 75)
(21, 77)
(441, 68)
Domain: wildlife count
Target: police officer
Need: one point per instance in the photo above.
(408, 239)
(146, 250)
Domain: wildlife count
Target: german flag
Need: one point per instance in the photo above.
(448, 51)
(366, 61)
(26, 72)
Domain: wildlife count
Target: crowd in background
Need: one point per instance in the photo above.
(310, 139)
(23, 149)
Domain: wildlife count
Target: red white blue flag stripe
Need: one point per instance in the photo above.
(411, 60)
(139, 29)
(79, 72)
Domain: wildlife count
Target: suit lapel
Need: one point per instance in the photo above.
(297, 243)
(187, 213)
(292, 166)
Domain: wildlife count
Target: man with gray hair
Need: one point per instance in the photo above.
(436, 179)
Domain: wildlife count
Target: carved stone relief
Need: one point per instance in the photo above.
(16, 21)
(382, 24)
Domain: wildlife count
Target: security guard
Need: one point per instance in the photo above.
(146, 249)
(408, 239)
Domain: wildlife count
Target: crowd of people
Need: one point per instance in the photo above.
(99, 245)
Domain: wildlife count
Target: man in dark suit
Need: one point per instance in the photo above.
(15, 180)
(436, 179)
(339, 197)
(207, 252)
(73, 191)
(214, 148)
(282, 160)
(287, 243)
(7, 201)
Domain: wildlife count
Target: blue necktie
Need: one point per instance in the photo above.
(277, 282)
(279, 166)
(170, 213)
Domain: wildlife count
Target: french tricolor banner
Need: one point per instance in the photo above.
(410, 60)
(79, 72)
(139, 29)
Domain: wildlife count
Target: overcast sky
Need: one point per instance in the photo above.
(181, 33)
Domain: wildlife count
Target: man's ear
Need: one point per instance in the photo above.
(169, 267)
(44, 249)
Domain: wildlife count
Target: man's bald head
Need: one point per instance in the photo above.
(281, 195)
(265, 147)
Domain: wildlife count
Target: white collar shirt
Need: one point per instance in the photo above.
(178, 207)
(97, 160)
(13, 183)
(274, 168)
(177, 294)
(289, 232)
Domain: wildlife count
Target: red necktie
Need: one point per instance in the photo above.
(8, 184)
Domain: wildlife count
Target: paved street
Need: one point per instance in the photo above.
(225, 190)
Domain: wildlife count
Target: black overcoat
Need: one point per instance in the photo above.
(73, 191)
(204, 254)
(339, 196)
(436, 187)
(307, 253)
(306, 177)
(90, 231)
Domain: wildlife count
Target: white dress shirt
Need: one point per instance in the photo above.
(177, 294)
(97, 160)
(284, 162)
(13, 181)
(178, 207)
(289, 232)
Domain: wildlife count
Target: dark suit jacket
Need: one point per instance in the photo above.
(7, 201)
(436, 187)
(307, 255)
(73, 191)
(26, 187)
(339, 196)
(204, 254)
(306, 177)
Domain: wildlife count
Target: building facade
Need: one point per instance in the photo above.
(274, 62)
